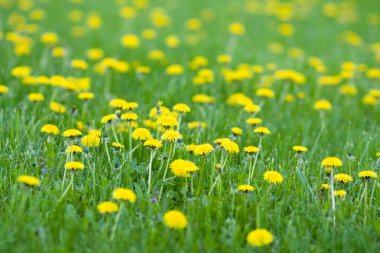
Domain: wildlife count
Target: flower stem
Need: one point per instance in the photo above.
(113, 232)
(332, 194)
(68, 187)
(152, 154)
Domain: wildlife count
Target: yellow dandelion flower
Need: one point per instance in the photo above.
(265, 93)
(35, 97)
(181, 108)
(72, 133)
(245, 188)
(203, 99)
(28, 180)
(230, 146)
(129, 116)
(299, 149)
(124, 195)
(237, 131)
(202, 149)
(174, 70)
(253, 121)
(322, 105)
(175, 220)
(153, 143)
(171, 135)
(3, 89)
(262, 130)
(367, 174)
(130, 41)
(141, 134)
(21, 71)
(79, 64)
(332, 162)
(90, 141)
(95, 132)
(252, 108)
(236, 28)
(107, 207)
(73, 166)
(182, 168)
(340, 193)
(167, 121)
(73, 149)
(343, 178)
(117, 103)
(324, 187)
(273, 177)
(251, 149)
(50, 129)
(259, 237)
(196, 124)
(86, 96)
(117, 145)
(58, 108)
(108, 118)
(130, 106)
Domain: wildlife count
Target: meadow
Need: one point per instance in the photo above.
(189, 126)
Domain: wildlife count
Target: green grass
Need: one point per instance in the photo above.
(300, 218)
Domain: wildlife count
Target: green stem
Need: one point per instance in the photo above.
(113, 232)
(68, 187)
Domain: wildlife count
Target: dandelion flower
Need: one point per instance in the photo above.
(171, 135)
(343, 178)
(202, 149)
(153, 143)
(324, 187)
(261, 130)
(108, 118)
(73, 149)
(107, 207)
(245, 188)
(35, 97)
(237, 131)
(141, 134)
(124, 195)
(117, 145)
(117, 103)
(367, 174)
(58, 108)
(90, 141)
(129, 116)
(181, 108)
(230, 146)
(322, 105)
(130, 106)
(175, 220)
(167, 121)
(74, 166)
(273, 177)
(253, 121)
(70, 133)
(251, 149)
(259, 237)
(50, 129)
(340, 193)
(28, 180)
(299, 149)
(332, 162)
(86, 96)
(3, 89)
(182, 168)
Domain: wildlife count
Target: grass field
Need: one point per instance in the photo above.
(256, 122)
